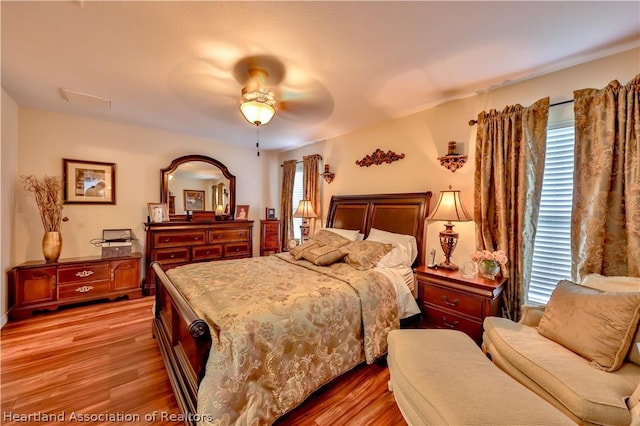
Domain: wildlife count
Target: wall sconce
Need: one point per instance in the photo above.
(452, 161)
(327, 175)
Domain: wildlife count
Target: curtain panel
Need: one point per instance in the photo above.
(605, 232)
(286, 207)
(509, 165)
(311, 170)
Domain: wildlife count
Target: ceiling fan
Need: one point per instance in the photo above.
(266, 92)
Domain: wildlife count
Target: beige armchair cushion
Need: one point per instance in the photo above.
(597, 325)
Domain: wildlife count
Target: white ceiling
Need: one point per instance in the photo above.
(170, 64)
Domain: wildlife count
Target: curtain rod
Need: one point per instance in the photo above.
(474, 122)
(297, 162)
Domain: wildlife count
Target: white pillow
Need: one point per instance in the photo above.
(407, 241)
(351, 235)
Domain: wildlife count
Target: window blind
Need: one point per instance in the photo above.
(298, 194)
(552, 246)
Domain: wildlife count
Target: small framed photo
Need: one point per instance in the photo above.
(158, 212)
(270, 214)
(242, 212)
(193, 200)
(89, 182)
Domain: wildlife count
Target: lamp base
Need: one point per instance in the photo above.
(450, 266)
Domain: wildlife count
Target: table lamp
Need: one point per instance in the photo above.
(305, 211)
(449, 208)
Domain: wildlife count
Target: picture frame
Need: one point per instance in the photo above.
(89, 182)
(270, 213)
(158, 212)
(242, 212)
(193, 200)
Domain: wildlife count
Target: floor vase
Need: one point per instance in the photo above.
(51, 245)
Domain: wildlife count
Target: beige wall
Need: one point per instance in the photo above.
(139, 153)
(8, 165)
(424, 136)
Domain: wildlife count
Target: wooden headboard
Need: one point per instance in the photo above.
(400, 213)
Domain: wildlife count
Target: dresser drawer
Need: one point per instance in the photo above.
(237, 249)
(228, 235)
(174, 255)
(451, 299)
(83, 273)
(89, 289)
(445, 319)
(207, 252)
(177, 239)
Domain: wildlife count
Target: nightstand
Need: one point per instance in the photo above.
(448, 300)
(270, 237)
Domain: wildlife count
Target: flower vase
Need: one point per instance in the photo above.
(489, 269)
(51, 245)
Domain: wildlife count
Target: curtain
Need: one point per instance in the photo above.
(605, 231)
(311, 171)
(510, 153)
(286, 207)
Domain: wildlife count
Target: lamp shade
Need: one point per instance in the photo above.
(305, 210)
(256, 112)
(450, 208)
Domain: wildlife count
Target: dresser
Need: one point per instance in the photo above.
(176, 243)
(270, 239)
(449, 300)
(40, 286)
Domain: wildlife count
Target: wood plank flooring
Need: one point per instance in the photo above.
(101, 360)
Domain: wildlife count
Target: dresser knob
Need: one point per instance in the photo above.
(448, 324)
(172, 255)
(84, 274)
(84, 289)
(196, 238)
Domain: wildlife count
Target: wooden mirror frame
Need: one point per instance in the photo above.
(164, 180)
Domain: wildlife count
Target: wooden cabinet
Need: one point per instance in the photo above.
(448, 300)
(270, 239)
(39, 286)
(179, 242)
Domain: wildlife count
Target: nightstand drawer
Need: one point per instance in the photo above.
(451, 299)
(83, 290)
(83, 273)
(207, 252)
(177, 239)
(176, 255)
(444, 319)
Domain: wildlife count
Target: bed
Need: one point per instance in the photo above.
(245, 341)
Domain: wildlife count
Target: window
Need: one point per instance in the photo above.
(552, 246)
(298, 194)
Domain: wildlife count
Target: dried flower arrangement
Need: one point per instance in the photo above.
(49, 199)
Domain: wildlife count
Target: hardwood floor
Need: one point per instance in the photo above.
(101, 360)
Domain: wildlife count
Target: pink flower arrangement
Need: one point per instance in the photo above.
(499, 256)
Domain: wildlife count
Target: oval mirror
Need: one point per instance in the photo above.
(197, 183)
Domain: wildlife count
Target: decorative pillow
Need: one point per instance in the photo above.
(364, 255)
(398, 257)
(407, 241)
(349, 234)
(323, 255)
(324, 237)
(297, 251)
(619, 284)
(596, 325)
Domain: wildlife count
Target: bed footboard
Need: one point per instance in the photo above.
(184, 341)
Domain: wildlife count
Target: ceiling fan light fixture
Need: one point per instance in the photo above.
(256, 112)
(258, 106)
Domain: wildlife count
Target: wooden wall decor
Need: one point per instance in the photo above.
(378, 157)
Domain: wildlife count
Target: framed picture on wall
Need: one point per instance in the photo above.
(89, 182)
(193, 200)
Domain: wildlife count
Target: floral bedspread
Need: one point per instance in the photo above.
(281, 329)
